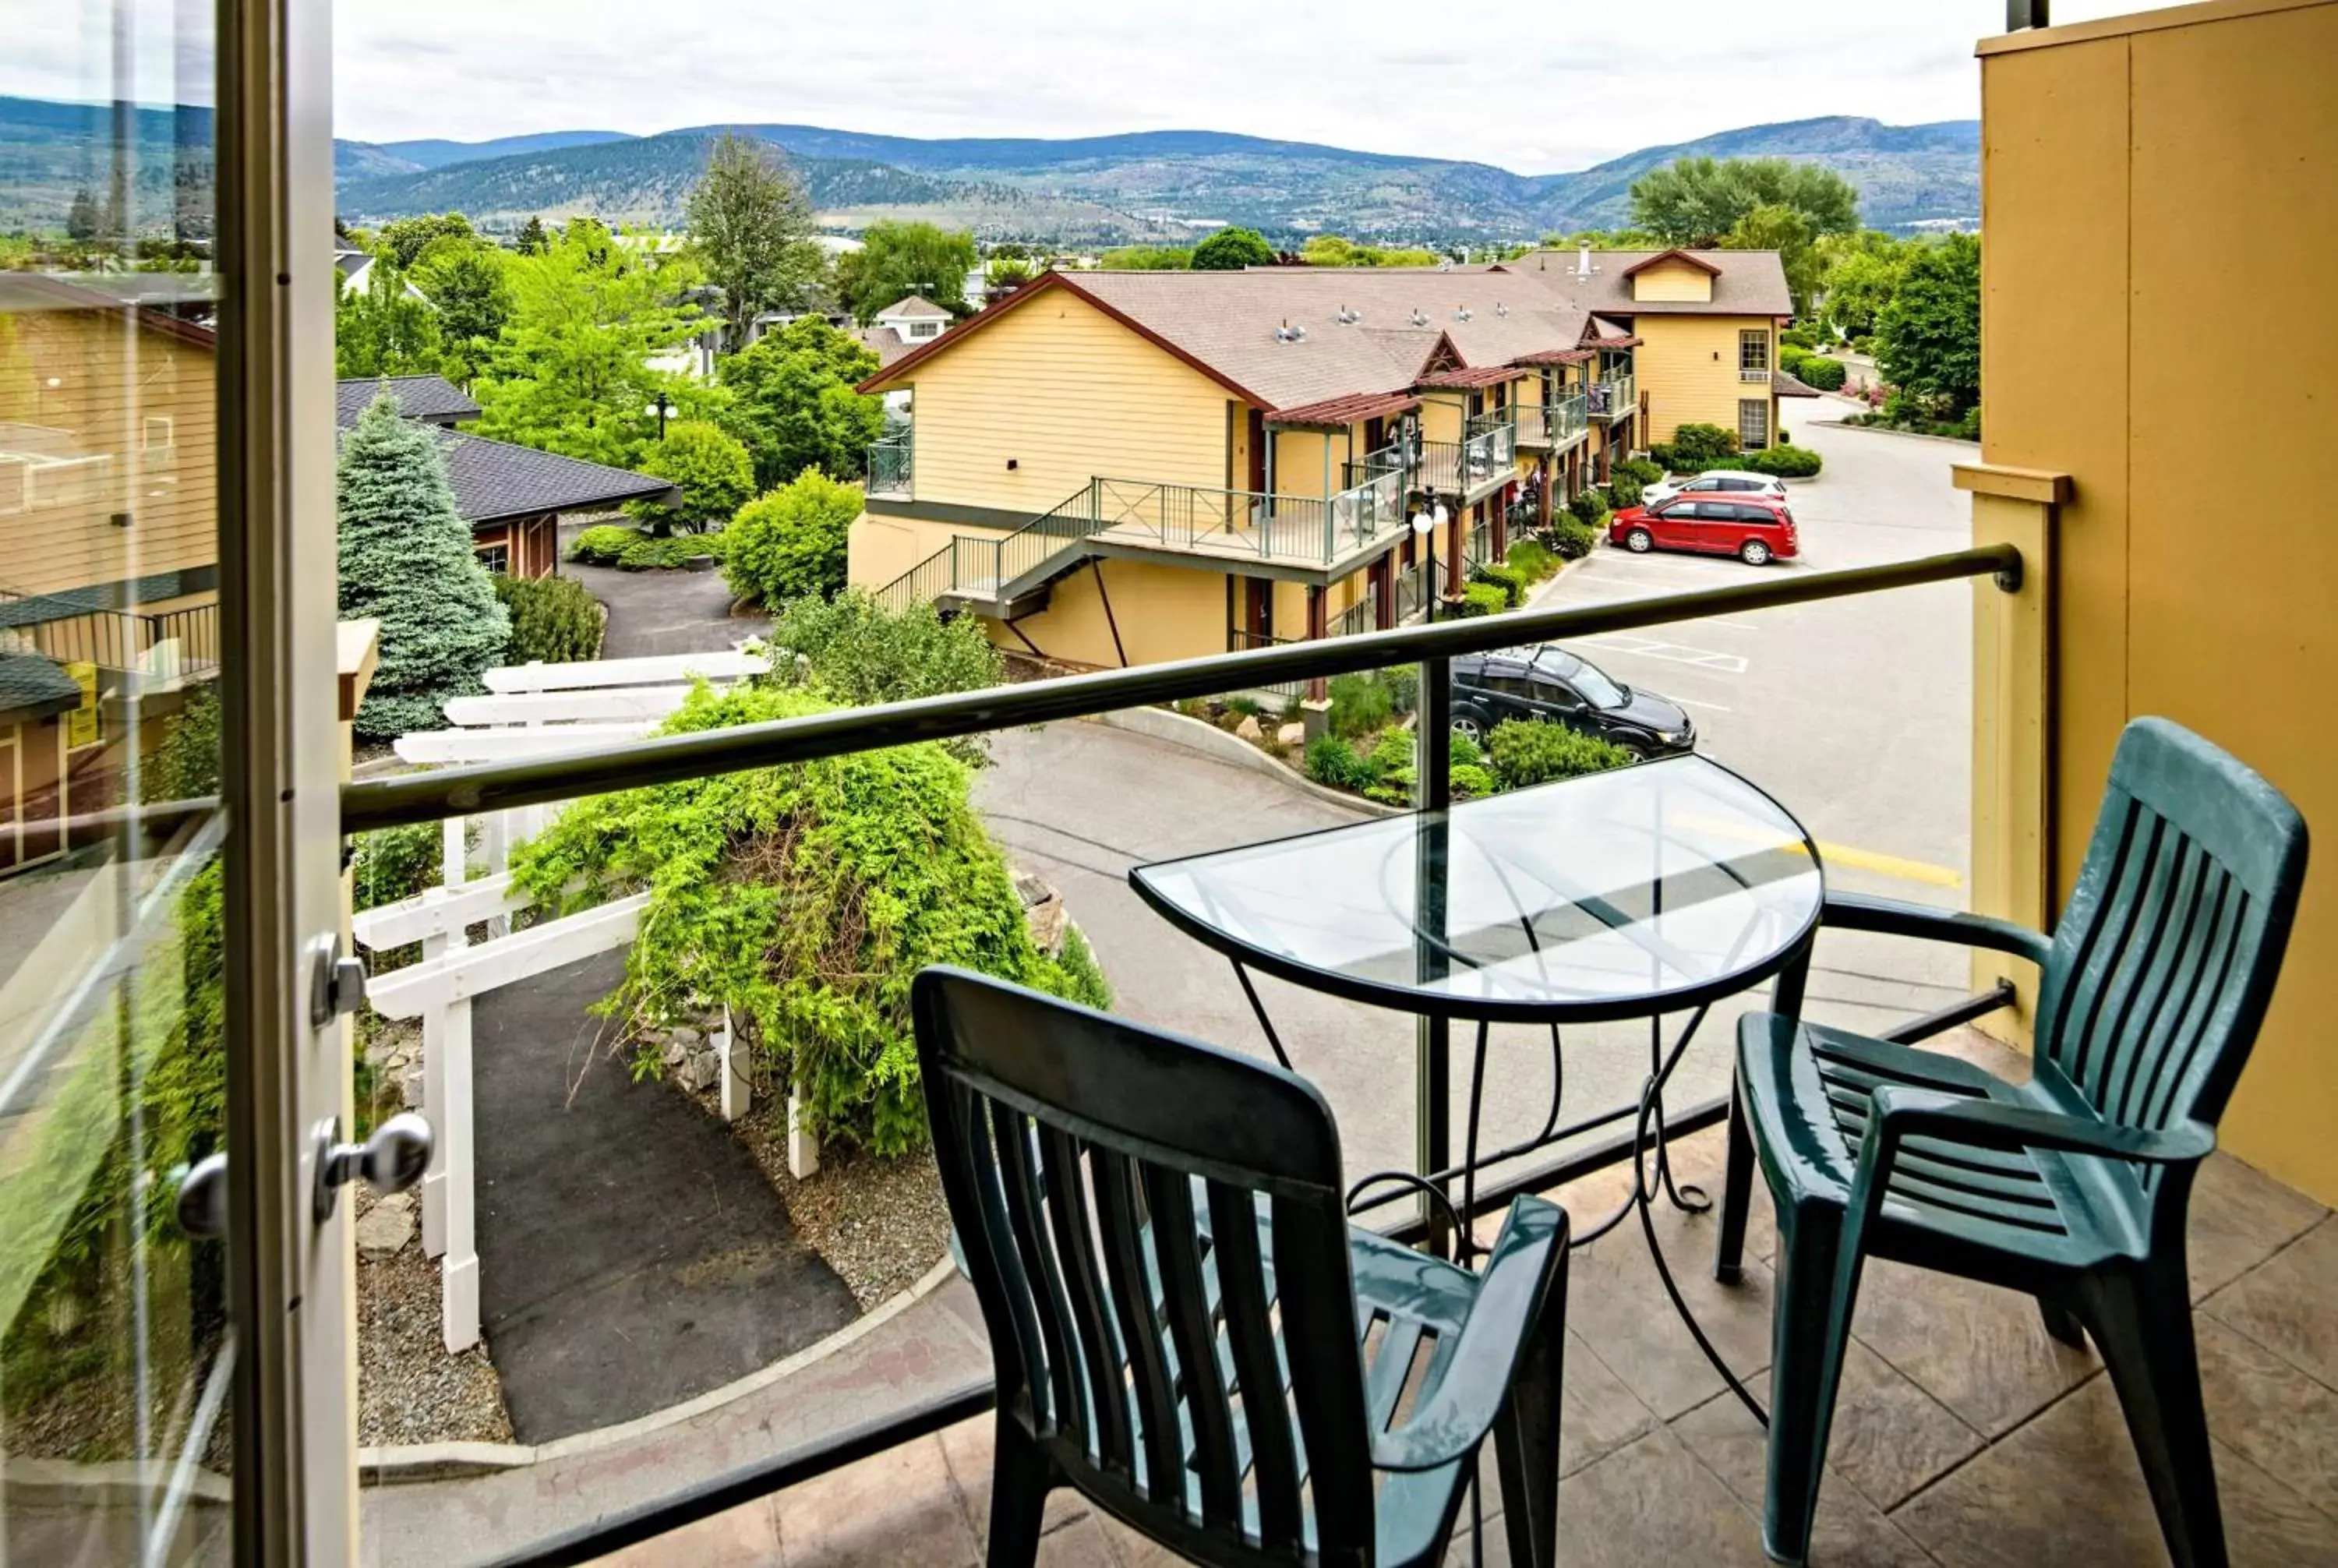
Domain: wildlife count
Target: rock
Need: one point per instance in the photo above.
(387, 1226)
(688, 1039)
(1291, 735)
(699, 1070)
(409, 1089)
(1047, 922)
(1032, 888)
(397, 1060)
(1250, 730)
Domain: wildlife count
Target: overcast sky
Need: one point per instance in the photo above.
(1535, 89)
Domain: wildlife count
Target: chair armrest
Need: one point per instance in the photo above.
(1450, 1423)
(1901, 1112)
(1892, 917)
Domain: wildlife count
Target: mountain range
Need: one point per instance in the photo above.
(1154, 185)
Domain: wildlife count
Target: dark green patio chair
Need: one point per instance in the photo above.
(2073, 1187)
(1184, 1328)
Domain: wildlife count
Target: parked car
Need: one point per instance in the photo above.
(1716, 481)
(1755, 529)
(1548, 684)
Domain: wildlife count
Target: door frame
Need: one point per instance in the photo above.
(291, 1282)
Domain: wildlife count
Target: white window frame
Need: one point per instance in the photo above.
(1752, 354)
(1762, 406)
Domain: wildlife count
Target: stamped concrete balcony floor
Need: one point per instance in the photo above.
(1964, 1434)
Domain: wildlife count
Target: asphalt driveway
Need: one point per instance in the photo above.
(661, 612)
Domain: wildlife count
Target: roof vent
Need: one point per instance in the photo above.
(1501, 308)
(1462, 313)
(1287, 333)
(1420, 317)
(1583, 267)
(1347, 317)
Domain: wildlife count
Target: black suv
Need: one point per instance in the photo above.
(1550, 684)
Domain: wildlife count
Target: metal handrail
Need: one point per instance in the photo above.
(662, 760)
(893, 463)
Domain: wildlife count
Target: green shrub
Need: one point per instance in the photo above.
(604, 544)
(714, 472)
(1331, 761)
(186, 765)
(1571, 541)
(1802, 335)
(1403, 683)
(805, 897)
(1360, 704)
(1083, 980)
(1391, 752)
(553, 620)
(1588, 506)
(854, 650)
(1469, 780)
(1534, 558)
(1392, 789)
(393, 863)
(1464, 752)
(1790, 358)
(1661, 455)
(1641, 469)
(791, 541)
(1623, 491)
(647, 553)
(1512, 581)
(1481, 599)
(1968, 426)
(1786, 462)
(1703, 446)
(1825, 375)
(1525, 753)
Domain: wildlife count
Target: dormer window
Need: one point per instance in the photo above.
(925, 329)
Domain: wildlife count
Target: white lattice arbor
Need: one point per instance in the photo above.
(530, 710)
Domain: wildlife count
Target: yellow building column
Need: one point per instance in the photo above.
(2013, 769)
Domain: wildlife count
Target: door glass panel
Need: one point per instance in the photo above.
(115, 1345)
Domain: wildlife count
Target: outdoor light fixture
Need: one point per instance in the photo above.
(658, 411)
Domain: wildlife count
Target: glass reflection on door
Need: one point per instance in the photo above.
(114, 1344)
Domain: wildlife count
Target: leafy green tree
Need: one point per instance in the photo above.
(791, 541)
(1862, 273)
(406, 561)
(1694, 201)
(715, 471)
(1231, 249)
(1008, 272)
(532, 240)
(854, 650)
(1928, 339)
(570, 372)
(465, 280)
(792, 403)
(383, 329)
(403, 239)
(1771, 227)
(82, 223)
(1146, 259)
(897, 259)
(1338, 250)
(751, 220)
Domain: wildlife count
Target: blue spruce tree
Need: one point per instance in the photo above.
(406, 561)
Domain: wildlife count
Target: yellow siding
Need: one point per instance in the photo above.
(881, 547)
(2098, 156)
(1066, 393)
(99, 390)
(1687, 370)
(1673, 281)
(1163, 612)
(1309, 462)
(1442, 415)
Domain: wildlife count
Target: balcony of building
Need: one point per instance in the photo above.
(892, 464)
(1614, 395)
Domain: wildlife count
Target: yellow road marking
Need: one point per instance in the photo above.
(1897, 866)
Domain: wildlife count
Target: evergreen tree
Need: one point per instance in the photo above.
(532, 240)
(82, 222)
(405, 562)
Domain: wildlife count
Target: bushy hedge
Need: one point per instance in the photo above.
(1361, 704)
(1623, 491)
(1480, 599)
(854, 650)
(1695, 448)
(1387, 772)
(1642, 469)
(1786, 462)
(636, 550)
(1824, 374)
(1331, 760)
(1588, 507)
(1802, 335)
(1524, 753)
(1512, 581)
(553, 619)
(792, 541)
(805, 897)
(1571, 541)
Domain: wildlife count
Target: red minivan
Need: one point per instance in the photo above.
(1756, 529)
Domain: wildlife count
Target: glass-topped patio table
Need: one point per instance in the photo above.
(1658, 888)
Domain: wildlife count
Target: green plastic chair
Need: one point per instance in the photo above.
(2073, 1187)
(1184, 1328)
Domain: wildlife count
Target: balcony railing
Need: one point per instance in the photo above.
(892, 464)
(1614, 397)
(1557, 424)
(163, 645)
(1488, 457)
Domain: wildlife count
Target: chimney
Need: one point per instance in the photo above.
(1582, 260)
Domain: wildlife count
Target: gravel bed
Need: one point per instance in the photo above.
(409, 1390)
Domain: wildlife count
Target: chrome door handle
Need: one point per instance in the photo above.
(201, 1203)
(391, 1161)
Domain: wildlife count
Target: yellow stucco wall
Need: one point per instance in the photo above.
(1687, 370)
(1673, 280)
(2101, 145)
(1066, 393)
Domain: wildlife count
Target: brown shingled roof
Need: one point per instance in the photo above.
(1345, 411)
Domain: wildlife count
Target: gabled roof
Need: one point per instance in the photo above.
(1744, 282)
(33, 687)
(884, 342)
(1786, 386)
(433, 399)
(494, 480)
(913, 308)
(1469, 376)
(349, 262)
(1689, 256)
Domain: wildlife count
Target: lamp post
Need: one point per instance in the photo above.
(659, 410)
(1430, 517)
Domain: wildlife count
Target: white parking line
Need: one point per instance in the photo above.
(1669, 652)
(1693, 702)
(1625, 597)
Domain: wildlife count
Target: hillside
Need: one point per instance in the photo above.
(49, 150)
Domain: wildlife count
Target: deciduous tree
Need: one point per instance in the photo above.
(403, 239)
(1773, 227)
(791, 541)
(1928, 339)
(1695, 201)
(898, 259)
(464, 279)
(715, 474)
(383, 328)
(1146, 259)
(1231, 249)
(751, 220)
(406, 561)
(792, 403)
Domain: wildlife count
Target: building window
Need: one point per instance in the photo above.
(158, 431)
(1754, 424)
(496, 558)
(925, 329)
(1753, 356)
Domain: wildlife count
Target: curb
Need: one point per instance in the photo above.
(1209, 740)
(1887, 430)
(408, 1463)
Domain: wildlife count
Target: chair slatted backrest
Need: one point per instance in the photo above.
(1156, 1232)
(2164, 963)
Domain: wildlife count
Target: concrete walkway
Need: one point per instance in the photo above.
(633, 1254)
